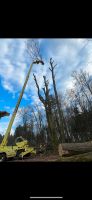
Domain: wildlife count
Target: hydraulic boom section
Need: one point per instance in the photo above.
(5, 139)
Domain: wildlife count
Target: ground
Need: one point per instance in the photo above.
(84, 157)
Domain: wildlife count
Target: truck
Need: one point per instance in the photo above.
(21, 147)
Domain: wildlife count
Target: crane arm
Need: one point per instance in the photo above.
(5, 139)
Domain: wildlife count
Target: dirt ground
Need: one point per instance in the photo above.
(84, 157)
(40, 158)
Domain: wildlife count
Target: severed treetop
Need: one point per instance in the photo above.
(4, 113)
(33, 51)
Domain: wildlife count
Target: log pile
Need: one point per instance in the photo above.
(67, 149)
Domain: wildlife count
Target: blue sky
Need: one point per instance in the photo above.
(69, 54)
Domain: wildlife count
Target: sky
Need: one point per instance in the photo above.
(68, 54)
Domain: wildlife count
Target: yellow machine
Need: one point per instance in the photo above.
(21, 147)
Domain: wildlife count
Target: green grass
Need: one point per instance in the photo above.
(84, 157)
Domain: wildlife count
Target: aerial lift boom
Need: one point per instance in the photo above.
(5, 139)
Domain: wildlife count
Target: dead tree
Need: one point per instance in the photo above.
(40, 121)
(82, 80)
(49, 108)
(63, 126)
(52, 136)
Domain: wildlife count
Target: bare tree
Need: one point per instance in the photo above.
(40, 117)
(83, 79)
(62, 124)
(33, 50)
(48, 109)
(83, 89)
(79, 107)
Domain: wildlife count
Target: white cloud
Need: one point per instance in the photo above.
(8, 86)
(25, 96)
(69, 54)
(88, 68)
(69, 84)
(14, 67)
(3, 127)
(7, 107)
(12, 63)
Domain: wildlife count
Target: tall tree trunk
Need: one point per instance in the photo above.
(60, 112)
(49, 116)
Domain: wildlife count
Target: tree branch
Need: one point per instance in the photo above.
(40, 97)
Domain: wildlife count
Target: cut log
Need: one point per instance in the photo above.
(66, 149)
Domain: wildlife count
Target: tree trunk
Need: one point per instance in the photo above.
(60, 112)
(75, 148)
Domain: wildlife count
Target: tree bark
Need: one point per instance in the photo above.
(47, 104)
(76, 148)
(60, 112)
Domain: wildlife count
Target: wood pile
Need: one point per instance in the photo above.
(68, 149)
